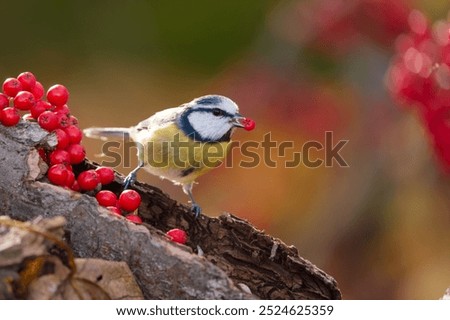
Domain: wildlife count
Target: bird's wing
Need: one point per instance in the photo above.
(160, 119)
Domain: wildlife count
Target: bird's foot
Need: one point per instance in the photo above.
(196, 210)
(129, 179)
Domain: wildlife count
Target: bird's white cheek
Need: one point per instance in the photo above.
(209, 126)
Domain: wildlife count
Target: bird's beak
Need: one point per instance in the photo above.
(236, 120)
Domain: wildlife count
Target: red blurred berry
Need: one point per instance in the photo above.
(48, 120)
(62, 109)
(249, 124)
(88, 180)
(105, 174)
(4, 101)
(38, 90)
(106, 198)
(177, 235)
(70, 178)
(114, 210)
(57, 174)
(129, 200)
(39, 107)
(63, 139)
(9, 116)
(11, 87)
(134, 218)
(59, 156)
(75, 186)
(27, 80)
(63, 120)
(74, 133)
(24, 100)
(57, 95)
(77, 153)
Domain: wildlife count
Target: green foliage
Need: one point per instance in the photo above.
(199, 33)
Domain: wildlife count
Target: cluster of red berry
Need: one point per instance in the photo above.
(419, 75)
(25, 94)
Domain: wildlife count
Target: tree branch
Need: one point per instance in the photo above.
(225, 257)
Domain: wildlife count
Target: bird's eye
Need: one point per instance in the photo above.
(217, 112)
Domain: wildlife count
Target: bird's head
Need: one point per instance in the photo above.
(211, 118)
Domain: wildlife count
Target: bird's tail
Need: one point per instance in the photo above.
(106, 133)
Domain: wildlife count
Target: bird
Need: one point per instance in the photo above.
(181, 143)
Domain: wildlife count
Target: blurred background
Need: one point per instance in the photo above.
(299, 68)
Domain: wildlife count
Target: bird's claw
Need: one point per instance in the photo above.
(129, 179)
(196, 209)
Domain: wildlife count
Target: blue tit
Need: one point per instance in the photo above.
(182, 143)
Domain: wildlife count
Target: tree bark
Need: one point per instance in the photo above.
(224, 258)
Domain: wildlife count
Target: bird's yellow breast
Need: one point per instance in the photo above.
(167, 152)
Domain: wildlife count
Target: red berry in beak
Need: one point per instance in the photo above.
(249, 124)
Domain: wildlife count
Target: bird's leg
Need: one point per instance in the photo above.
(196, 209)
(131, 177)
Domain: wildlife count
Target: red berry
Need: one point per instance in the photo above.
(177, 235)
(70, 178)
(9, 116)
(134, 218)
(57, 174)
(38, 90)
(74, 133)
(77, 153)
(11, 87)
(88, 180)
(73, 120)
(39, 107)
(27, 80)
(75, 186)
(24, 100)
(105, 174)
(57, 95)
(106, 198)
(129, 200)
(62, 109)
(114, 210)
(48, 120)
(43, 154)
(249, 124)
(4, 101)
(59, 156)
(63, 120)
(63, 139)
